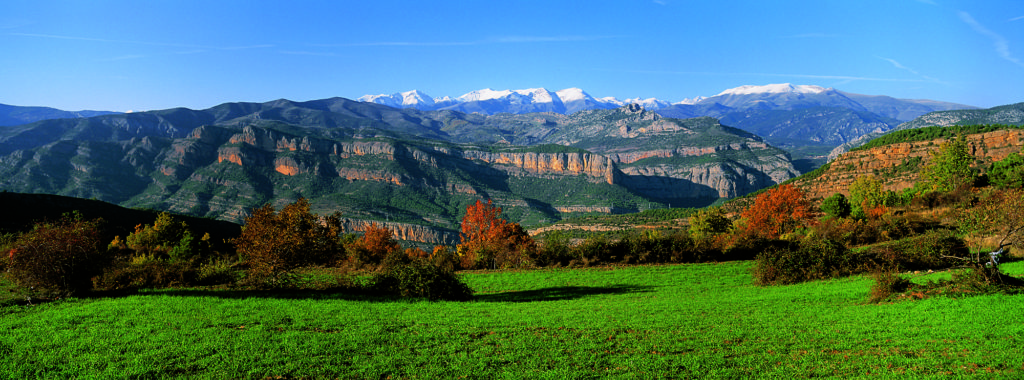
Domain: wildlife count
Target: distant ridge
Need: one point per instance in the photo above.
(17, 115)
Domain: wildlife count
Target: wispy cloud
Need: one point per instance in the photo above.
(1018, 18)
(661, 2)
(900, 66)
(1001, 45)
(487, 41)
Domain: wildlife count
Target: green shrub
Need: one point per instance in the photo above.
(1008, 173)
(933, 249)
(709, 222)
(445, 258)
(555, 250)
(145, 274)
(810, 259)
(419, 278)
(836, 206)
(57, 259)
(217, 272)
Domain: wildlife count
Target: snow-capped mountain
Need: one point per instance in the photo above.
(489, 101)
(409, 99)
(782, 96)
(773, 89)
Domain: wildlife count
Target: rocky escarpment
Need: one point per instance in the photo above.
(595, 166)
(898, 165)
(405, 231)
(255, 146)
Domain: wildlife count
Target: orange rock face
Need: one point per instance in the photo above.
(883, 161)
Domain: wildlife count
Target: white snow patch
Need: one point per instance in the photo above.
(572, 94)
(773, 89)
(485, 94)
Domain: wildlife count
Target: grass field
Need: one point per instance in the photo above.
(680, 321)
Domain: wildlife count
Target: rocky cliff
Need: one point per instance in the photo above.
(898, 165)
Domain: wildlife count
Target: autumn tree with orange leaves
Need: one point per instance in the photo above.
(373, 247)
(488, 241)
(275, 243)
(778, 211)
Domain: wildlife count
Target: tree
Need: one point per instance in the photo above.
(999, 215)
(778, 211)
(490, 241)
(866, 194)
(275, 243)
(707, 222)
(836, 206)
(373, 247)
(1008, 173)
(166, 236)
(57, 259)
(950, 166)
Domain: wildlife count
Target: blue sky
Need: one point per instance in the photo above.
(144, 55)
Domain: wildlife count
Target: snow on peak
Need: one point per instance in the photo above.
(694, 100)
(572, 94)
(773, 89)
(537, 95)
(373, 98)
(416, 97)
(485, 94)
(399, 99)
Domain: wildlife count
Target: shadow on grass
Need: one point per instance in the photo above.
(344, 293)
(560, 293)
(363, 295)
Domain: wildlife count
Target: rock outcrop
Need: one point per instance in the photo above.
(895, 163)
(405, 231)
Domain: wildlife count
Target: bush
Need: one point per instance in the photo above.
(836, 206)
(1008, 173)
(810, 259)
(932, 250)
(274, 244)
(57, 259)
(419, 278)
(145, 274)
(445, 258)
(709, 222)
(888, 283)
(555, 250)
(854, 232)
(371, 249)
(217, 272)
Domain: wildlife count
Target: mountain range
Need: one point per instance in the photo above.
(414, 171)
(806, 120)
(16, 115)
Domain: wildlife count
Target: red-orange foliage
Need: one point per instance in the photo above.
(57, 258)
(778, 211)
(877, 212)
(374, 246)
(416, 253)
(488, 240)
(275, 243)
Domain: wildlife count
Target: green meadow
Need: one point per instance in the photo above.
(672, 321)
